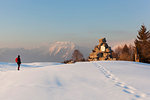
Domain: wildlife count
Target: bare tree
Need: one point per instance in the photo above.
(77, 56)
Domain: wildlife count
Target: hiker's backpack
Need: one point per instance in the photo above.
(16, 60)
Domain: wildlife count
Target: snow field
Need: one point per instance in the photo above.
(80, 81)
(126, 88)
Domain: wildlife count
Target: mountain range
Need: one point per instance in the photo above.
(53, 52)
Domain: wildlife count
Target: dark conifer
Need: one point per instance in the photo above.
(125, 49)
(142, 44)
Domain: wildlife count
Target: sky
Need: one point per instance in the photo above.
(31, 23)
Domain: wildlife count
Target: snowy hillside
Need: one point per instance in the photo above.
(103, 80)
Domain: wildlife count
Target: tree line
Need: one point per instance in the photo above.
(140, 52)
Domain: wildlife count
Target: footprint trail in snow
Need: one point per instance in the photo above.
(137, 95)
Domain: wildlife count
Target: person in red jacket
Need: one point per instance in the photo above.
(18, 61)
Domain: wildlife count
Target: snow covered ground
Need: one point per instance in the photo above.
(103, 80)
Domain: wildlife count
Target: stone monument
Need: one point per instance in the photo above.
(101, 52)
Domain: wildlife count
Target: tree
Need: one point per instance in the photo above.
(125, 49)
(125, 55)
(131, 52)
(77, 56)
(143, 35)
(142, 44)
(118, 52)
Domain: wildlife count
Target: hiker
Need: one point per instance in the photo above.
(18, 61)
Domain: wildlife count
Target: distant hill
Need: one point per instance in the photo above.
(53, 52)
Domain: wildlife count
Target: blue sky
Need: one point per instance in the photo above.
(29, 23)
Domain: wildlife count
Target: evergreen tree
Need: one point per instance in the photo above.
(125, 54)
(143, 35)
(125, 49)
(142, 44)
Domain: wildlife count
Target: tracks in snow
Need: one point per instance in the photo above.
(137, 95)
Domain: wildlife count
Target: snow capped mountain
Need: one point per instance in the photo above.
(53, 52)
(62, 49)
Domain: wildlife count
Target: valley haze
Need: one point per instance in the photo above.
(53, 52)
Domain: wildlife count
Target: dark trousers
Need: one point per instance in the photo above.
(18, 66)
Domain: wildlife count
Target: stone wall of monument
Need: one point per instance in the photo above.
(101, 52)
